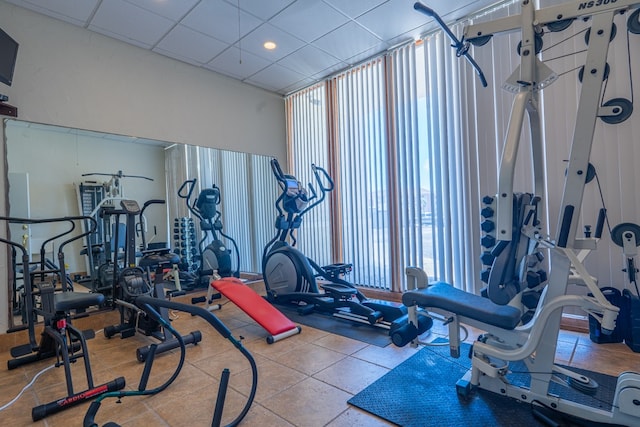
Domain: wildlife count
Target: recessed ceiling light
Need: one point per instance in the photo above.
(269, 45)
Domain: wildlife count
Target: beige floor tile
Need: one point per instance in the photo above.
(340, 344)
(273, 378)
(351, 375)
(310, 358)
(388, 357)
(310, 403)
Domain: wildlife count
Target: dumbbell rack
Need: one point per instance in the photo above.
(185, 243)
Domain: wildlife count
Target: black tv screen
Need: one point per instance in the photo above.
(8, 55)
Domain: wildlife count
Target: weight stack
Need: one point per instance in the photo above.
(631, 314)
(614, 296)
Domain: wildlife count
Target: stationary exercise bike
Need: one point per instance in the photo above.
(290, 277)
(133, 281)
(215, 256)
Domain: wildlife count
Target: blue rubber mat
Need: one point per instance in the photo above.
(421, 392)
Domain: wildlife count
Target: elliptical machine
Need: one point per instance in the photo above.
(215, 256)
(290, 276)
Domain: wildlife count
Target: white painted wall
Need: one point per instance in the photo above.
(69, 76)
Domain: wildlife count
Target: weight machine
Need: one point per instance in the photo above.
(534, 343)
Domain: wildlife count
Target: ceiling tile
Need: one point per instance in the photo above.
(128, 22)
(238, 64)
(219, 19)
(260, 8)
(308, 19)
(191, 44)
(391, 19)
(74, 11)
(309, 60)
(285, 42)
(347, 41)
(355, 8)
(174, 10)
(276, 77)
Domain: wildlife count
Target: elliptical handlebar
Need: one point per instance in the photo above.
(190, 184)
(321, 175)
(277, 171)
(317, 171)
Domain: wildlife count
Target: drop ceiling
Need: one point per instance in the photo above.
(315, 38)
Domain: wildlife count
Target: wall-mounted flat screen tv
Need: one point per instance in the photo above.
(8, 55)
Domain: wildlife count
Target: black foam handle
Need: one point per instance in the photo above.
(565, 226)
(602, 215)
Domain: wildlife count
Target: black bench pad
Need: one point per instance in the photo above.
(65, 301)
(446, 297)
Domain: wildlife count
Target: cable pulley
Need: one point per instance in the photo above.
(605, 75)
(614, 31)
(480, 41)
(619, 231)
(633, 22)
(561, 25)
(537, 44)
(622, 110)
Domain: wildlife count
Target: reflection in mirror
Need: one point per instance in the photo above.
(57, 172)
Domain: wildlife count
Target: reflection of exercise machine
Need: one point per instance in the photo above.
(291, 278)
(95, 200)
(48, 297)
(133, 281)
(534, 343)
(215, 256)
(151, 306)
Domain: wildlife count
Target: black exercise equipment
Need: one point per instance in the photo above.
(48, 296)
(150, 306)
(134, 281)
(215, 256)
(290, 277)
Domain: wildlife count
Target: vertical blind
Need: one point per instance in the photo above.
(246, 203)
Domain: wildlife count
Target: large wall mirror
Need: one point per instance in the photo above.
(58, 172)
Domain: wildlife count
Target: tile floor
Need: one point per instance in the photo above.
(304, 380)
